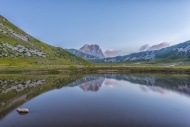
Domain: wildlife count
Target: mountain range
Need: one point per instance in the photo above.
(174, 52)
(17, 48)
(179, 52)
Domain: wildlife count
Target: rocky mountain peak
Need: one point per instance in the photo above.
(93, 49)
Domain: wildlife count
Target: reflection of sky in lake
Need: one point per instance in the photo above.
(115, 103)
(153, 89)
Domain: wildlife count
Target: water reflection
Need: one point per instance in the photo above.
(92, 85)
(96, 100)
(157, 83)
(17, 89)
(19, 85)
(154, 89)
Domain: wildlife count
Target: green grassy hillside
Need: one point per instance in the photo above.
(19, 48)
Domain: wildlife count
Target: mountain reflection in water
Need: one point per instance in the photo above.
(96, 100)
(156, 83)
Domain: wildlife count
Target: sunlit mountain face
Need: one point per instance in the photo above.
(94, 50)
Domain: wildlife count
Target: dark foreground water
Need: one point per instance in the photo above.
(110, 100)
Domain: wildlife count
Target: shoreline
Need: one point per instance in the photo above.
(98, 70)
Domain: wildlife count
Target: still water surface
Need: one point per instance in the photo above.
(109, 100)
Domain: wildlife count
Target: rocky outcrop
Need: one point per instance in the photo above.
(18, 50)
(94, 50)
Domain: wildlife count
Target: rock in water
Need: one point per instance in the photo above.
(22, 110)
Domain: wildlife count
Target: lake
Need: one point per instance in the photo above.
(113, 100)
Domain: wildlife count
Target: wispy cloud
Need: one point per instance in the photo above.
(112, 52)
(115, 52)
(146, 47)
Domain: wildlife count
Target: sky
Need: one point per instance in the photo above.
(117, 26)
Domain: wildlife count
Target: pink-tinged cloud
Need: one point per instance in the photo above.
(146, 47)
(159, 46)
(113, 52)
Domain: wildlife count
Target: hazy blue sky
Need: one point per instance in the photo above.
(113, 24)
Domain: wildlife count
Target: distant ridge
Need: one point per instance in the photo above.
(171, 55)
(179, 51)
(82, 55)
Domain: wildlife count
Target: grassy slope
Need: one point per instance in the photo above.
(57, 56)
